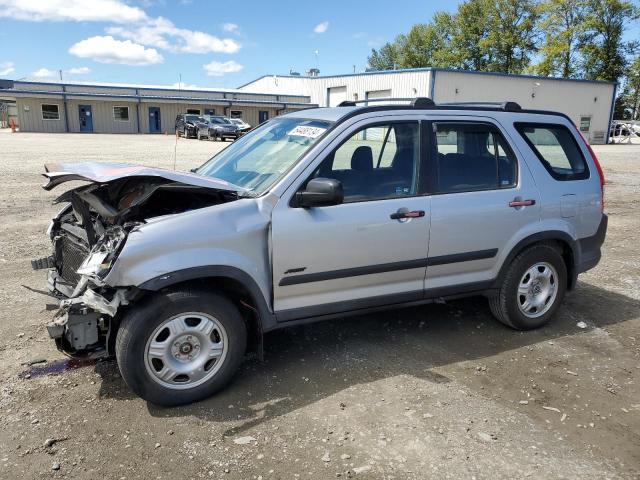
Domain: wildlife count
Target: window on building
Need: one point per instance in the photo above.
(193, 111)
(473, 156)
(209, 111)
(585, 124)
(50, 112)
(121, 114)
(376, 163)
(235, 113)
(557, 149)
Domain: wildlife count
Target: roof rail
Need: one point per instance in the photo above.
(506, 106)
(426, 103)
(415, 102)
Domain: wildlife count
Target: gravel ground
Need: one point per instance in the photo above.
(440, 391)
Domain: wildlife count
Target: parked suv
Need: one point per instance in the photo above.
(187, 125)
(319, 214)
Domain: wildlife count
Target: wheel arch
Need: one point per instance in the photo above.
(233, 282)
(567, 247)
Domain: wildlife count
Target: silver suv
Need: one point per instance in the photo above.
(317, 214)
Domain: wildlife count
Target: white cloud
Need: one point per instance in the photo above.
(162, 33)
(109, 50)
(44, 73)
(79, 71)
(321, 27)
(230, 27)
(217, 69)
(113, 11)
(6, 68)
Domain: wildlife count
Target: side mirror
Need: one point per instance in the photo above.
(320, 192)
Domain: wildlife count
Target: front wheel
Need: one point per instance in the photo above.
(532, 289)
(180, 347)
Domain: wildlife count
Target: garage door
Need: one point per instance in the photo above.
(335, 95)
(378, 94)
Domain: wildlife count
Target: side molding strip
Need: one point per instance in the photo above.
(388, 267)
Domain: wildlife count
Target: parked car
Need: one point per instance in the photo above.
(187, 125)
(243, 127)
(218, 128)
(319, 214)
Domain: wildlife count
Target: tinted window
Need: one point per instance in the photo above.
(376, 162)
(557, 149)
(473, 156)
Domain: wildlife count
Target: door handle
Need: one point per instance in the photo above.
(412, 214)
(521, 203)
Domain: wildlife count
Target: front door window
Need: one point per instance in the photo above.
(376, 163)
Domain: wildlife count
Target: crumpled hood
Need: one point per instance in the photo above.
(58, 173)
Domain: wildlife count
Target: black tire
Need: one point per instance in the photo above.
(140, 322)
(504, 305)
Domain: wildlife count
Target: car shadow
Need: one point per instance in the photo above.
(307, 363)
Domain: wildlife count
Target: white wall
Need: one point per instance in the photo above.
(573, 98)
(412, 83)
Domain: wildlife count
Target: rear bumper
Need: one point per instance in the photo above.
(590, 247)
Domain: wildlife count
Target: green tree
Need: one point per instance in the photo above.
(384, 59)
(628, 102)
(562, 24)
(512, 35)
(426, 45)
(470, 28)
(602, 46)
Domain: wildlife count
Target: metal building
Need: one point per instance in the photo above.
(58, 107)
(588, 103)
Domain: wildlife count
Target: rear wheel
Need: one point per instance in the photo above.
(532, 289)
(180, 347)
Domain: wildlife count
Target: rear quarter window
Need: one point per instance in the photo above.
(557, 149)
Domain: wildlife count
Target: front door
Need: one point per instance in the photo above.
(368, 251)
(154, 120)
(263, 116)
(86, 119)
(483, 200)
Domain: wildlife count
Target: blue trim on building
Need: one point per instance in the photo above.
(432, 90)
(137, 88)
(228, 101)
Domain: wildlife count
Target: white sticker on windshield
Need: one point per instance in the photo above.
(310, 132)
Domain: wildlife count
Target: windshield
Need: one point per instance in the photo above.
(195, 118)
(258, 159)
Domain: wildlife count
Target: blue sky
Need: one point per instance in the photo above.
(154, 41)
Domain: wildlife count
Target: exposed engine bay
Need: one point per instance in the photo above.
(91, 230)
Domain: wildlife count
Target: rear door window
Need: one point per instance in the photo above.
(557, 149)
(473, 156)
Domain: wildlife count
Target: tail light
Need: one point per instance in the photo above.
(598, 167)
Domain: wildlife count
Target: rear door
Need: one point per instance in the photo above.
(483, 197)
(571, 192)
(364, 252)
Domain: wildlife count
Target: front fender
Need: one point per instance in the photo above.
(232, 235)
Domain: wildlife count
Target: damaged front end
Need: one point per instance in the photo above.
(91, 231)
